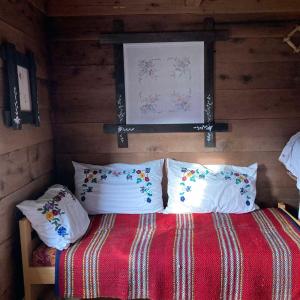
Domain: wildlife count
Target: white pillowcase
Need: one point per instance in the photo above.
(120, 188)
(57, 217)
(212, 188)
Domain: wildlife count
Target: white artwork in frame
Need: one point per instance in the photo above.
(24, 89)
(164, 82)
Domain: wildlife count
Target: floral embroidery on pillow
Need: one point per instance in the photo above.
(196, 174)
(192, 176)
(52, 212)
(242, 179)
(96, 176)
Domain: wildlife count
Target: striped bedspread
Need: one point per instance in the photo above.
(184, 256)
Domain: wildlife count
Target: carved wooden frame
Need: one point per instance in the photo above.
(13, 115)
(288, 40)
(208, 36)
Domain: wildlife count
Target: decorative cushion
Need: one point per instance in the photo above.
(43, 256)
(57, 217)
(120, 188)
(212, 188)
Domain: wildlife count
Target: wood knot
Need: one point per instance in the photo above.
(246, 78)
(223, 76)
(238, 40)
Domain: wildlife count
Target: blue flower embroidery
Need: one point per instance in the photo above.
(62, 231)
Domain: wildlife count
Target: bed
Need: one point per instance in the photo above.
(184, 256)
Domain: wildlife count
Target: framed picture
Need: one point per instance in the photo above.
(164, 82)
(21, 103)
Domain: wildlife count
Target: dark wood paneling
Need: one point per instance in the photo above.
(8, 204)
(257, 93)
(23, 42)
(253, 50)
(12, 140)
(89, 77)
(262, 75)
(234, 50)
(23, 16)
(81, 53)
(222, 10)
(87, 29)
(40, 4)
(258, 104)
(20, 167)
(26, 156)
(245, 135)
(75, 106)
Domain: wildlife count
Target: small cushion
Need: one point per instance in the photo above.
(120, 188)
(43, 256)
(194, 188)
(57, 217)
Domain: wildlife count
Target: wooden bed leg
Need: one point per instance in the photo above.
(28, 291)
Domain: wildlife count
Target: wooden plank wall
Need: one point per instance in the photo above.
(220, 9)
(26, 156)
(257, 93)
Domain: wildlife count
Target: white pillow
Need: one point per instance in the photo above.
(212, 188)
(120, 188)
(57, 217)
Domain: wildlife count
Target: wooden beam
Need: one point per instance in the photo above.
(163, 128)
(148, 37)
(70, 29)
(246, 135)
(247, 8)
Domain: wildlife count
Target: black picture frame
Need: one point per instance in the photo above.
(209, 35)
(14, 117)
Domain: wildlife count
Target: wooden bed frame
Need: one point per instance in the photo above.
(36, 277)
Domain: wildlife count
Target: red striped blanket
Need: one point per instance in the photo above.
(184, 256)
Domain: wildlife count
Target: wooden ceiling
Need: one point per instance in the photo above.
(242, 10)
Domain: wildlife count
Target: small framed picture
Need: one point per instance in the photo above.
(21, 103)
(24, 89)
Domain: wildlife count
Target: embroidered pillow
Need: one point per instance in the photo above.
(211, 188)
(57, 217)
(120, 188)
